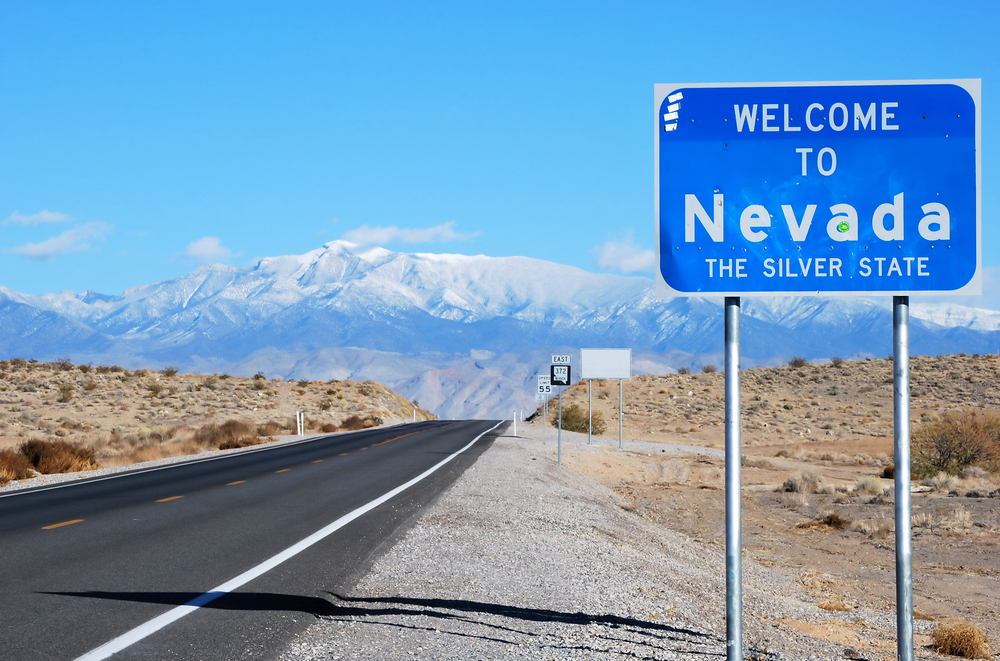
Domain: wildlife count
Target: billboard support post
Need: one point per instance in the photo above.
(620, 390)
(590, 410)
(901, 449)
(734, 537)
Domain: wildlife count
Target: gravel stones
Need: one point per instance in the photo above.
(522, 558)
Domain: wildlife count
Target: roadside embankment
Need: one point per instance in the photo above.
(523, 558)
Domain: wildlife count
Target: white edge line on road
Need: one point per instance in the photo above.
(174, 614)
(264, 447)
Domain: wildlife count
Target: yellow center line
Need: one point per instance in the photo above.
(343, 454)
(364, 448)
(163, 500)
(283, 470)
(396, 438)
(60, 525)
(229, 484)
(318, 461)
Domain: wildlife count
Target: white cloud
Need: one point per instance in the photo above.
(366, 235)
(625, 257)
(77, 239)
(43, 217)
(207, 249)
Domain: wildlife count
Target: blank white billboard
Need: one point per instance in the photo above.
(606, 363)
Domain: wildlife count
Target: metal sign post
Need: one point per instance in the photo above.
(620, 395)
(822, 188)
(559, 375)
(608, 364)
(590, 410)
(734, 525)
(901, 448)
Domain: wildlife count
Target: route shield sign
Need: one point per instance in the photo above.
(559, 375)
(818, 188)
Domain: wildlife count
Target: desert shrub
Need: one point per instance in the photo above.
(65, 392)
(57, 456)
(924, 520)
(259, 384)
(89, 385)
(302, 383)
(329, 428)
(230, 434)
(960, 638)
(889, 472)
(574, 418)
(259, 376)
(169, 371)
(13, 466)
(805, 483)
(794, 501)
(974, 473)
(709, 369)
(798, 361)
(84, 369)
(836, 361)
(325, 405)
(64, 364)
(357, 422)
(270, 429)
(683, 370)
(942, 482)
(155, 389)
(955, 442)
(869, 485)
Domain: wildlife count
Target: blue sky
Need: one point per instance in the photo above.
(140, 139)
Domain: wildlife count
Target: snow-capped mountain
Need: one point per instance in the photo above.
(464, 335)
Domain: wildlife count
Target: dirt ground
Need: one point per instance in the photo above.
(828, 430)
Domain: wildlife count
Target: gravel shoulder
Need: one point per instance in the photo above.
(523, 558)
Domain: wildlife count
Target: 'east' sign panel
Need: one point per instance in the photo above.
(819, 188)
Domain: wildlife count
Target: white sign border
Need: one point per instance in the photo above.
(973, 86)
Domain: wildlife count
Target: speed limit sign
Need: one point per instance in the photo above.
(544, 385)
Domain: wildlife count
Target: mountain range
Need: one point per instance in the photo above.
(463, 335)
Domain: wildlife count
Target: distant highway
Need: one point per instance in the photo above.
(253, 543)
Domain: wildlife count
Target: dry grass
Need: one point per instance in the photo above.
(807, 483)
(794, 501)
(943, 482)
(869, 485)
(924, 520)
(13, 466)
(960, 638)
(48, 457)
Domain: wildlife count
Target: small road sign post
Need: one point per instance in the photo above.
(544, 389)
(559, 373)
(819, 188)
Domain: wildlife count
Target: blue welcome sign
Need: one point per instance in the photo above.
(818, 188)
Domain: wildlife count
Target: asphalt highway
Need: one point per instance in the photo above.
(92, 562)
